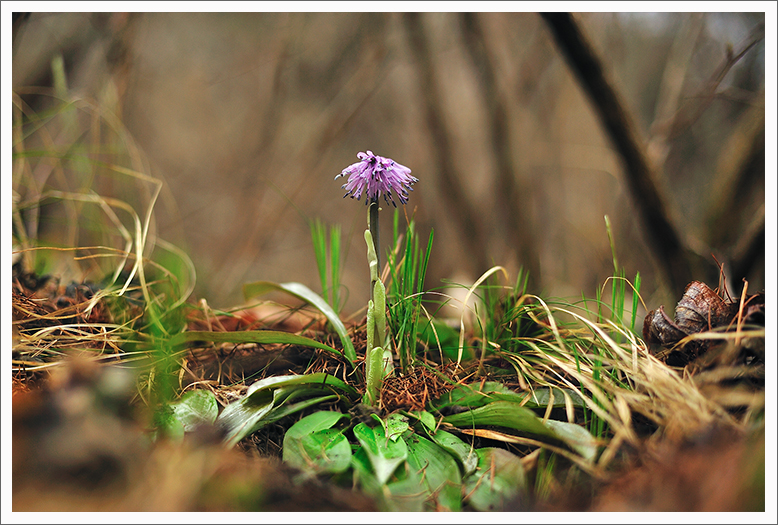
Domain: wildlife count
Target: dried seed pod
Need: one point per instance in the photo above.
(701, 309)
(660, 329)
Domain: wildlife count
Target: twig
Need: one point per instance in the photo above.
(690, 112)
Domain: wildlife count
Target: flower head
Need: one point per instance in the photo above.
(376, 176)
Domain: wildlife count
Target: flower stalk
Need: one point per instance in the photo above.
(376, 176)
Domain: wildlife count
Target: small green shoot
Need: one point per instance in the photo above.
(328, 258)
(407, 273)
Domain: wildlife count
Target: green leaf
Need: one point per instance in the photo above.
(503, 414)
(196, 407)
(374, 363)
(576, 437)
(240, 418)
(384, 454)
(321, 420)
(306, 294)
(401, 495)
(426, 419)
(477, 395)
(320, 379)
(250, 336)
(312, 445)
(439, 472)
(404, 495)
(395, 425)
(265, 399)
(463, 452)
(499, 479)
(363, 472)
(540, 396)
(323, 451)
(168, 424)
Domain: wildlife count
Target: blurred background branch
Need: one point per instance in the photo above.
(668, 250)
(511, 199)
(454, 195)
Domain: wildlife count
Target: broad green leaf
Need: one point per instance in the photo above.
(321, 420)
(463, 452)
(240, 418)
(438, 470)
(250, 336)
(312, 445)
(320, 379)
(363, 472)
(395, 425)
(500, 478)
(265, 402)
(502, 414)
(540, 396)
(477, 395)
(576, 437)
(384, 454)
(426, 419)
(196, 407)
(306, 294)
(402, 495)
(322, 451)
(405, 495)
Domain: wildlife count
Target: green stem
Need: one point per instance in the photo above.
(372, 222)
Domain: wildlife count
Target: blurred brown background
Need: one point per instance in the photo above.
(248, 117)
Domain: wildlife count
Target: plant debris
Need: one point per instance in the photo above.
(412, 391)
(700, 309)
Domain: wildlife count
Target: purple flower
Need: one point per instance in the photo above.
(376, 176)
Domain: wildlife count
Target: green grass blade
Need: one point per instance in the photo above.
(335, 268)
(635, 298)
(318, 236)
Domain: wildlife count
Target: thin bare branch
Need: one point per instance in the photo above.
(669, 251)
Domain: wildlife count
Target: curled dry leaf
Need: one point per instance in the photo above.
(699, 309)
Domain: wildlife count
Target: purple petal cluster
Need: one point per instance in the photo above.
(375, 176)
